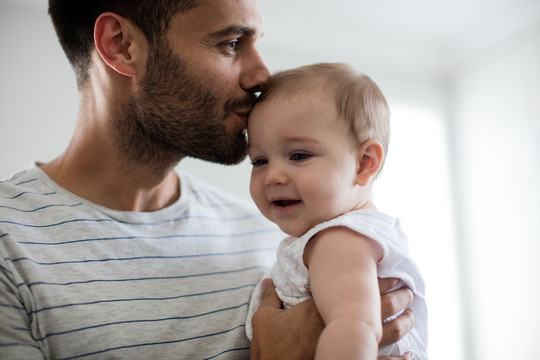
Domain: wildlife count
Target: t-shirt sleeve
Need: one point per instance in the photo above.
(16, 341)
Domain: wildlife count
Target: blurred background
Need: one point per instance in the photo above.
(462, 79)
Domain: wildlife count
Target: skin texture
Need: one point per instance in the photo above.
(124, 112)
(271, 322)
(344, 286)
(140, 114)
(307, 170)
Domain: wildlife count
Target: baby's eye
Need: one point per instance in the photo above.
(300, 156)
(259, 162)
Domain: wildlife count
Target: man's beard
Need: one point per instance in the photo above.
(176, 114)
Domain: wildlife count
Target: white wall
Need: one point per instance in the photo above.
(38, 97)
(497, 168)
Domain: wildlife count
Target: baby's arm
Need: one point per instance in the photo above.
(343, 276)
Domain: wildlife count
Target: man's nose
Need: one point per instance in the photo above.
(255, 74)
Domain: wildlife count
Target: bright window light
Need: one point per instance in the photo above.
(415, 187)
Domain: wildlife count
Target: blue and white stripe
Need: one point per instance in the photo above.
(79, 281)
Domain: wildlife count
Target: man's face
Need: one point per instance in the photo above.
(199, 86)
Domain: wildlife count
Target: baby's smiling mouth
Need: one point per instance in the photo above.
(285, 203)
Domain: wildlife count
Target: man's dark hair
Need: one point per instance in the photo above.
(74, 23)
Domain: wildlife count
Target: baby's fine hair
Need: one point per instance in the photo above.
(358, 100)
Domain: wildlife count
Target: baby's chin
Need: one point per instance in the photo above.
(297, 232)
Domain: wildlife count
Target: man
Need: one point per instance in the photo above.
(106, 251)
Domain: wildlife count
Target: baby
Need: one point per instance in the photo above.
(318, 137)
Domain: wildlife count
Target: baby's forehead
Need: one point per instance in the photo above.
(299, 95)
(309, 109)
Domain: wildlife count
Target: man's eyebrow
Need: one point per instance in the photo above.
(233, 30)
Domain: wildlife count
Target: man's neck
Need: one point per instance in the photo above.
(118, 188)
(94, 169)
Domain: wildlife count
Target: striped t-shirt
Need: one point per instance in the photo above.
(80, 281)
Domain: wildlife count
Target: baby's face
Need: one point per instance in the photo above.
(304, 164)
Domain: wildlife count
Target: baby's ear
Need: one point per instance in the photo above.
(370, 159)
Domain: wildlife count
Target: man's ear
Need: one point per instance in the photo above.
(370, 159)
(115, 40)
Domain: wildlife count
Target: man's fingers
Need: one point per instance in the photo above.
(387, 284)
(394, 330)
(270, 297)
(406, 356)
(395, 301)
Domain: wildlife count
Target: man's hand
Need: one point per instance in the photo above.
(392, 303)
(406, 356)
(284, 334)
(293, 333)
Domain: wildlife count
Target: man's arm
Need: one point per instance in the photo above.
(293, 333)
(16, 340)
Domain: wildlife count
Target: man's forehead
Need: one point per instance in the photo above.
(223, 18)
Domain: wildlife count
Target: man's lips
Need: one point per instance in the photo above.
(243, 115)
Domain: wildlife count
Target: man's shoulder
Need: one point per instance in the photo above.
(16, 185)
(28, 196)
